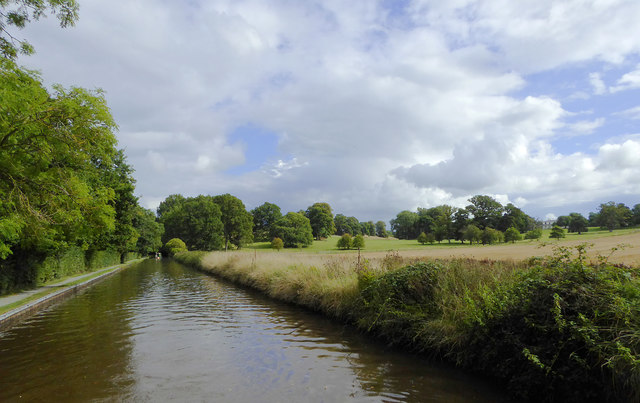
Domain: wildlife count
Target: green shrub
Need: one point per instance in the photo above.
(345, 242)
(174, 246)
(97, 259)
(277, 243)
(563, 330)
(396, 304)
(533, 234)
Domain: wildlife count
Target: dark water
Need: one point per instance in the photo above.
(162, 332)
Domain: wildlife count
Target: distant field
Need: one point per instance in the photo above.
(376, 247)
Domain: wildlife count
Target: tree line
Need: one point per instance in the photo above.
(610, 216)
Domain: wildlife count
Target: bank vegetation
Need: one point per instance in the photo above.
(558, 328)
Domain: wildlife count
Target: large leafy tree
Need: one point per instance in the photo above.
(514, 217)
(52, 188)
(321, 218)
(404, 225)
(264, 217)
(578, 223)
(381, 229)
(612, 215)
(294, 229)
(17, 13)
(237, 222)
(150, 230)
(196, 221)
(168, 204)
(486, 211)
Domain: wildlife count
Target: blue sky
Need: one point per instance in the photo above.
(372, 106)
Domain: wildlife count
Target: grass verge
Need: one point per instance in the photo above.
(553, 329)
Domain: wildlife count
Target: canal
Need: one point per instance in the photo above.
(160, 331)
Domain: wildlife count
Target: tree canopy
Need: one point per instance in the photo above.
(294, 229)
(196, 221)
(321, 219)
(17, 13)
(237, 223)
(264, 217)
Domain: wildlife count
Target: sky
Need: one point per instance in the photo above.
(372, 106)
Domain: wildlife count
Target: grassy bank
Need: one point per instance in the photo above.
(552, 329)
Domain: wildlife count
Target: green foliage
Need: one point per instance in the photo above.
(562, 330)
(277, 244)
(294, 229)
(405, 224)
(150, 231)
(345, 242)
(535, 233)
(490, 236)
(56, 154)
(557, 232)
(264, 217)
(175, 245)
(396, 304)
(422, 238)
(381, 229)
(612, 215)
(577, 223)
(237, 223)
(472, 234)
(195, 220)
(18, 13)
(486, 211)
(512, 235)
(358, 242)
(321, 219)
(102, 258)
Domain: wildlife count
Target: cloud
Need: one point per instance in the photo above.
(628, 81)
(599, 87)
(375, 110)
(631, 113)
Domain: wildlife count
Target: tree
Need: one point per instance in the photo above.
(556, 232)
(168, 204)
(342, 224)
(358, 242)
(635, 215)
(264, 217)
(197, 221)
(321, 218)
(174, 246)
(150, 230)
(460, 222)
(486, 211)
(514, 217)
(294, 229)
(512, 235)
(237, 223)
(51, 148)
(24, 11)
(472, 233)
(611, 215)
(422, 238)
(577, 223)
(354, 224)
(491, 236)
(277, 243)
(404, 225)
(345, 242)
(563, 221)
(535, 233)
(381, 229)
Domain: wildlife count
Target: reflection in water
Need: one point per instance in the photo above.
(159, 332)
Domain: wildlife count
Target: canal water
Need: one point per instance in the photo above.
(159, 331)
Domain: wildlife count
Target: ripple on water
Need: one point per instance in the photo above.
(161, 332)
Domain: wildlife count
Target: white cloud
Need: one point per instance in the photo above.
(586, 126)
(382, 112)
(631, 113)
(599, 87)
(628, 81)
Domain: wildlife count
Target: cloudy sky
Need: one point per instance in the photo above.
(372, 106)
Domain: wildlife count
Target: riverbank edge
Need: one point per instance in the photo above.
(363, 304)
(22, 312)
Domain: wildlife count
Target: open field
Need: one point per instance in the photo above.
(376, 248)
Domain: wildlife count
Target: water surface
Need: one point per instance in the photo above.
(159, 331)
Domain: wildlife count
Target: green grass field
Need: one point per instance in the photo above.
(375, 244)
